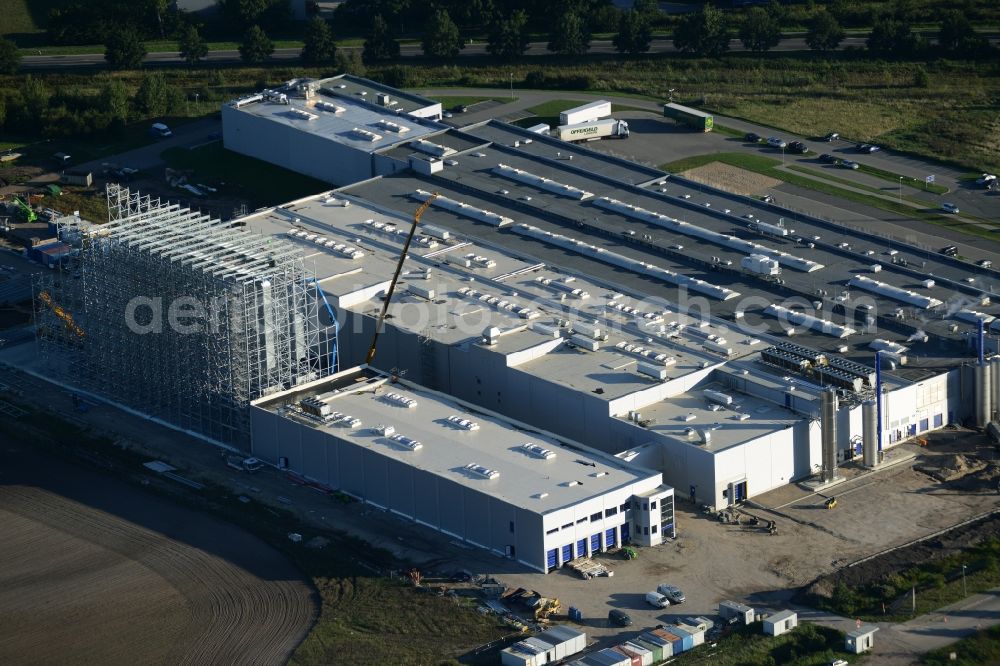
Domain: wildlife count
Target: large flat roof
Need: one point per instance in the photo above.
(319, 116)
(525, 478)
(476, 178)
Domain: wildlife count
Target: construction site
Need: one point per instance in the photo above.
(182, 316)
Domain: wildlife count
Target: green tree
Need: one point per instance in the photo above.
(634, 33)
(256, 47)
(824, 32)
(269, 13)
(703, 33)
(35, 96)
(648, 8)
(760, 31)
(441, 36)
(115, 100)
(319, 48)
(152, 98)
(920, 78)
(349, 62)
(380, 44)
(124, 49)
(508, 38)
(192, 46)
(570, 35)
(958, 37)
(9, 57)
(893, 37)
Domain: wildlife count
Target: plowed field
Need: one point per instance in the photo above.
(93, 570)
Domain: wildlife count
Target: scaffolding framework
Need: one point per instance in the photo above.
(181, 316)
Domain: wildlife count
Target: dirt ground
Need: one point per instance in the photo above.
(733, 179)
(709, 560)
(95, 571)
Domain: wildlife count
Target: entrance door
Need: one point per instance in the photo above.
(740, 491)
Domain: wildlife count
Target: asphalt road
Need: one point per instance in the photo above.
(188, 135)
(600, 46)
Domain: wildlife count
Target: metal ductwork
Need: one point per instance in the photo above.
(869, 433)
(984, 386)
(995, 392)
(828, 430)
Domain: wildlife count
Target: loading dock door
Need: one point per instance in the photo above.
(551, 559)
(581, 548)
(609, 538)
(740, 491)
(625, 532)
(595, 543)
(567, 552)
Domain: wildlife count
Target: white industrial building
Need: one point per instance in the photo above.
(460, 469)
(328, 129)
(672, 325)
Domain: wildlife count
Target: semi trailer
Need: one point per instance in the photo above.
(586, 113)
(693, 118)
(599, 129)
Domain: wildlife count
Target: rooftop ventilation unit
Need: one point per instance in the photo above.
(541, 495)
(479, 470)
(406, 442)
(634, 265)
(304, 115)
(344, 420)
(564, 287)
(401, 400)
(385, 430)
(252, 99)
(365, 135)
(431, 148)
(598, 475)
(463, 209)
(815, 323)
(541, 182)
(718, 396)
(895, 293)
(657, 372)
(538, 451)
(330, 108)
(392, 127)
(465, 424)
(571, 484)
(694, 231)
(315, 407)
(499, 304)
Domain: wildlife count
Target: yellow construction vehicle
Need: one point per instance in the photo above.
(546, 607)
(67, 318)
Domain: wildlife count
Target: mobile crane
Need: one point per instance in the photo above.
(29, 214)
(399, 267)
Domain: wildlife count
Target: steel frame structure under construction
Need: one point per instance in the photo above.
(182, 317)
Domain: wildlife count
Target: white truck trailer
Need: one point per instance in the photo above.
(593, 130)
(586, 113)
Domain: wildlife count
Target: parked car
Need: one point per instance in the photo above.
(949, 208)
(657, 600)
(832, 136)
(752, 138)
(619, 618)
(459, 108)
(847, 164)
(986, 179)
(827, 157)
(160, 131)
(798, 147)
(775, 142)
(672, 593)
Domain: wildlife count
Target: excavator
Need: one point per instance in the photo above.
(29, 214)
(399, 267)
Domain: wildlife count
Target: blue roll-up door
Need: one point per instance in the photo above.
(924, 424)
(551, 558)
(581, 548)
(609, 538)
(938, 420)
(595, 542)
(625, 532)
(567, 552)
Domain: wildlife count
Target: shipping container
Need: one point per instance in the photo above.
(693, 118)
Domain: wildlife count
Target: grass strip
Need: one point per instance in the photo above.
(768, 167)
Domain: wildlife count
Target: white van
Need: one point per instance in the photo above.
(656, 599)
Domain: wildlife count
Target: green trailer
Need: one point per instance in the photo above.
(693, 118)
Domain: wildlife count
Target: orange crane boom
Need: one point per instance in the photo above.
(67, 318)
